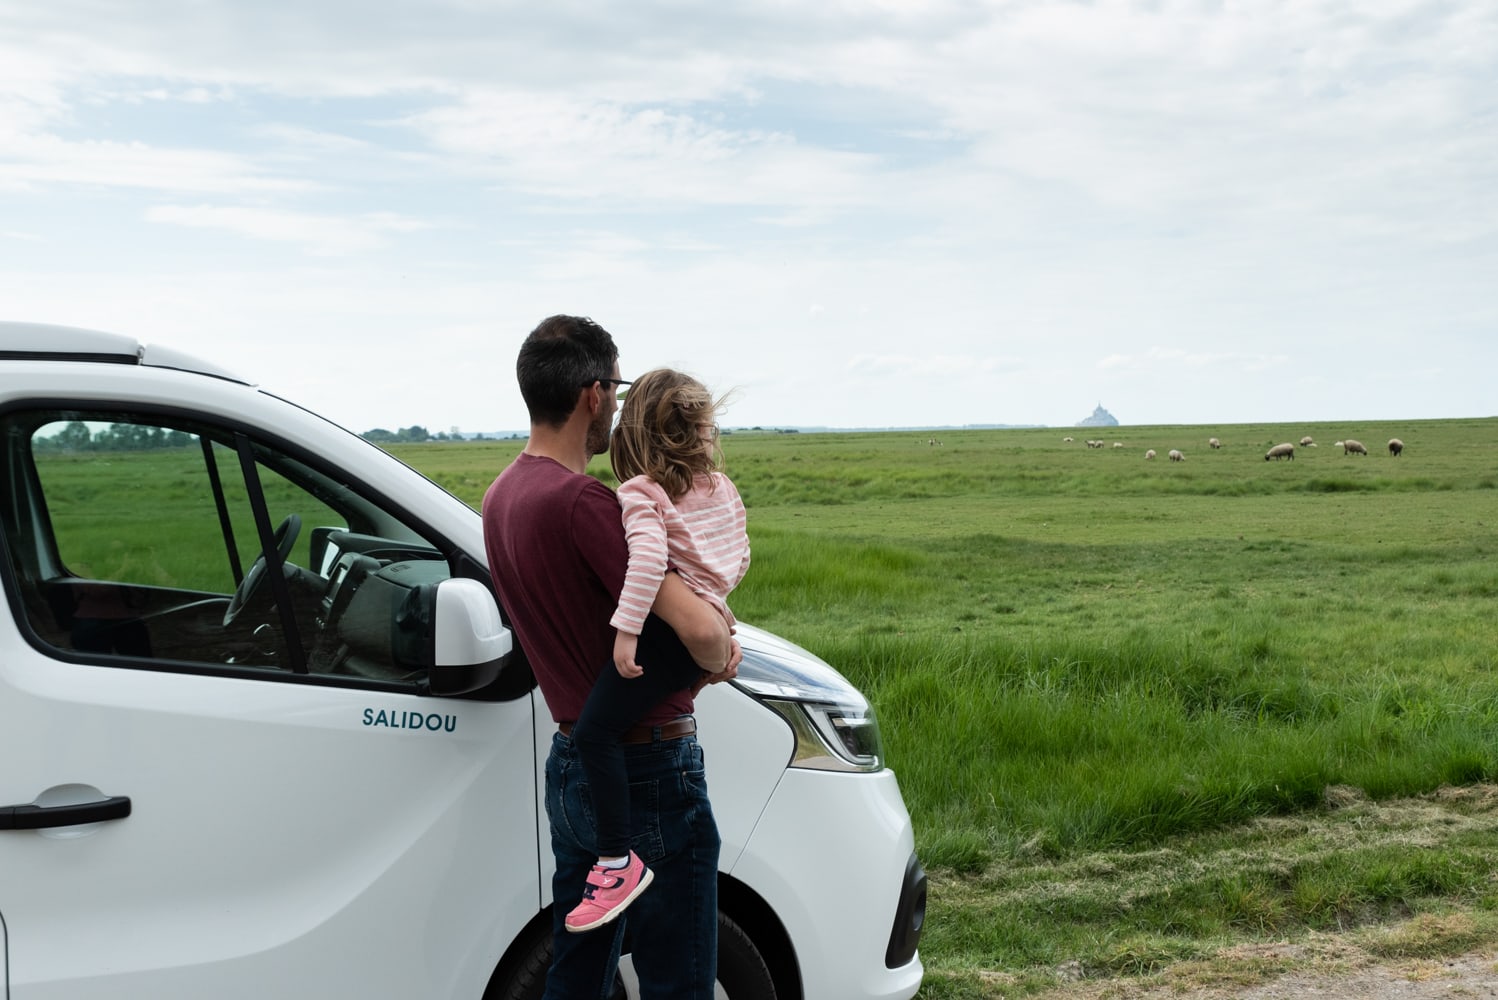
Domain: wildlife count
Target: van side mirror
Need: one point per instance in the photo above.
(470, 643)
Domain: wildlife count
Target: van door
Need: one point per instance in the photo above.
(222, 776)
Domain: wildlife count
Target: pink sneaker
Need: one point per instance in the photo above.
(608, 892)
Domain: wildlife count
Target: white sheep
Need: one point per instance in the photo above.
(1395, 447)
(1118, 444)
(1213, 443)
(1279, 451)
(1351, 447)
(1176, 456)
(1149, 454)
(1306, 442)
(1068, 440)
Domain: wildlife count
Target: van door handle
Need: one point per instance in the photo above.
(31, 817)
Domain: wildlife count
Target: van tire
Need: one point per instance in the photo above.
(523, 975)
(742, 972)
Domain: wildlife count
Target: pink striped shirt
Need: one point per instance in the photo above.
(702, 536)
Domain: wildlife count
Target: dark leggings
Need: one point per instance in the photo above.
(615, 705)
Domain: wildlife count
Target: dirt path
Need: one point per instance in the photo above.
(1450, 950)
(1468, 976)
(1326, 970)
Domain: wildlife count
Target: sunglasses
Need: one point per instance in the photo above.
(606, 382)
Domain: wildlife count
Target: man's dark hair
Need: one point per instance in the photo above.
(562, 356)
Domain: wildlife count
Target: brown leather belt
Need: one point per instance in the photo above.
(682, 725)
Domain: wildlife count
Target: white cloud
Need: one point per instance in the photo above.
(40, 161)
(935, 365)
(585, 153)
(1166, 359)
(319, 234)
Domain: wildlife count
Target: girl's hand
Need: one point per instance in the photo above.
(624, 655)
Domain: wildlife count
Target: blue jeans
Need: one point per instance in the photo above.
(674, 923)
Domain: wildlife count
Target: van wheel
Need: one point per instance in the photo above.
(742, 972)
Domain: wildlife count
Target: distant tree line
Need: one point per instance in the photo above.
(75, 436)
(404, 435)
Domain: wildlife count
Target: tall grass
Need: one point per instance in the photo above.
(1009, 749)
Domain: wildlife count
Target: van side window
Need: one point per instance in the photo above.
(145, 541)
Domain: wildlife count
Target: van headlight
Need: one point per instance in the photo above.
(833, 723)
(831, 737)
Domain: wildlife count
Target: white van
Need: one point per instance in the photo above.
(264, 733)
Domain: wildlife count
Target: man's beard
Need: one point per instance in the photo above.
(598, 434)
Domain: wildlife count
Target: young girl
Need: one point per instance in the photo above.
(680, 513)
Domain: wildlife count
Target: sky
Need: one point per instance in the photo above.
(844, 214)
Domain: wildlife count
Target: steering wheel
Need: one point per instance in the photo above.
(285, 538)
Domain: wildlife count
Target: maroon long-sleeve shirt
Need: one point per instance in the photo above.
(557, 554)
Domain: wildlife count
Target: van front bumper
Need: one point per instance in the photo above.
(856, 922)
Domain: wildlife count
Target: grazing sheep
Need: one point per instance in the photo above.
(1336, 444)
(1068, 440)
(1118, 444)
(1149, 454)
(1213, 443)
(1279, 451)
(1306, 442)
(1351, 447)
(1176, 456)
(1395, 447)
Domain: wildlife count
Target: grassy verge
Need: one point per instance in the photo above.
(1405, 878)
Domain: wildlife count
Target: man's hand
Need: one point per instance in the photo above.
(728, 673)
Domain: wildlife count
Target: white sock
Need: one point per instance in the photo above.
(615, 863)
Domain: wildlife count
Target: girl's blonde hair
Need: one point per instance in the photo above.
(660, 431)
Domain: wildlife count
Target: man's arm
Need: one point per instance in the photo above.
(697, 624)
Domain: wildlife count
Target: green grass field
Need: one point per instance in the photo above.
(1141, 710)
